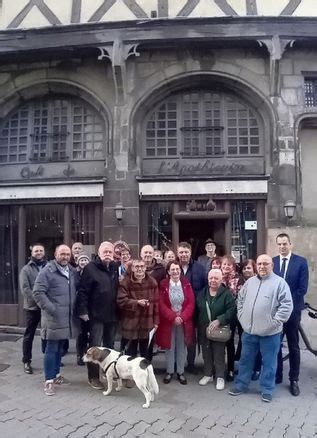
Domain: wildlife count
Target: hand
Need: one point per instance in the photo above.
(155, 327)
(84, 317)
(143, 303)
(215, 324)
(178, 320)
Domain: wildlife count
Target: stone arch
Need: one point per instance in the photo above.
(49, 87)
(187, 81)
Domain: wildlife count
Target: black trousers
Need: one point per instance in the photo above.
(140, 345)
(230, 347)
(83, 338)
(291, 330)
(101, 335)
(32, 319)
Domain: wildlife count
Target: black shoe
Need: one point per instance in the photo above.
(80, 362)
(230, 376)
(182, 379)
(28, 368)
(168, 377)
(294, 388)
(255, 375)
(191, 369)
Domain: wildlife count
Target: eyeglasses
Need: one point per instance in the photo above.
(139, 267)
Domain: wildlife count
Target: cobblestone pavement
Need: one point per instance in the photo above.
(179, 411)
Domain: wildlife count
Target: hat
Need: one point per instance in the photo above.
(209, 241)
(83, 256)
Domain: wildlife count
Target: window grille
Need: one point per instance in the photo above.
(57, 129)
(310, 92)
(202, 124)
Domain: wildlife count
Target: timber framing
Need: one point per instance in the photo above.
(160, 31)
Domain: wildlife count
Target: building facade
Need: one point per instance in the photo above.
(197, 118)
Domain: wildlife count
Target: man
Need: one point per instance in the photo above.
(32, 312)
(153, 268)
(264, 304)
(205, 260)
(54, 292)
(294, 269)
(195, 274)
(96, 303)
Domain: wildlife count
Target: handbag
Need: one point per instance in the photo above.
(220, 334)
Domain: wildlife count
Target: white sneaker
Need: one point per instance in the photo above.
(220, 386)
(205, 380)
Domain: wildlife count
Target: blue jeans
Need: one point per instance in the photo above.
(268, 347)
(52, 358)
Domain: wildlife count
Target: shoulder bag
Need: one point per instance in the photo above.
(220, 334)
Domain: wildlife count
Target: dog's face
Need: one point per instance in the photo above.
(96, 355)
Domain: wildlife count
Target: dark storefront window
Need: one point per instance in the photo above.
(83, 223)
(8, 255)
(244, 230)
(310, 92)
(202, 124)
(57, 129)
(44, 224)
(159, 217)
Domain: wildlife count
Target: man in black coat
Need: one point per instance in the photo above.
(96, 303)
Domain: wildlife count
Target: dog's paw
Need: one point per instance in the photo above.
(146, 405)
(118, 388)
(106, 392)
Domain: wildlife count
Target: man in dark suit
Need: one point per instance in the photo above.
(294, 269)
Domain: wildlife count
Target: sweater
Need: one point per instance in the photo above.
(264, 304)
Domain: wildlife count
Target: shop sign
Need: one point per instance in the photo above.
(188, 167)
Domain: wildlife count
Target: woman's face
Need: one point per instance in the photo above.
(169, 256)
(248, 271)
(83, 262)
(216, 264)
(174, 272)
(227, 267)
(125, 256)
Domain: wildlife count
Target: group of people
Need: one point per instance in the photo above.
(173, 301)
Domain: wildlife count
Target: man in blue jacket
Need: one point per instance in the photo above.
(294, 269)
(196, 275)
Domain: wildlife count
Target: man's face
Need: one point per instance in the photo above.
(147, 254)
(62, 255)
(105, 252)
(210, 248)
(284, 246)
(264, 265)
(138, 269)
(38, 252)
(214, 278)
(77, 248)
(183, 254)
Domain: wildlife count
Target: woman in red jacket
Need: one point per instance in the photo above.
(176, 330)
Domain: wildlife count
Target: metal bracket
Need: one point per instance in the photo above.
(118, 53)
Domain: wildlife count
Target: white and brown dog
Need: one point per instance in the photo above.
(117, 366)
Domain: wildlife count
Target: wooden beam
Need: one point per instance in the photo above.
(159, 31)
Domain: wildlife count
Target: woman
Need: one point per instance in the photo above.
(231, 281)
(83, 336)
(248, 270)
(125, 264)
(216, 263)
(222, 309)
(176, 330)
(138, 301)
(169, 256)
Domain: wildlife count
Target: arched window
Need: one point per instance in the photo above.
(202, 124)
(55, 129)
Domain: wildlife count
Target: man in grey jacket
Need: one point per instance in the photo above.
(32, 312)
(264, 305)
(54, 292)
